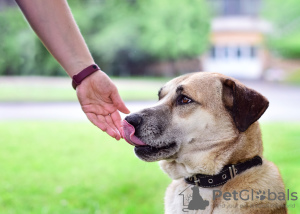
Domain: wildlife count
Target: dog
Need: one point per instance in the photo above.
(205, 133)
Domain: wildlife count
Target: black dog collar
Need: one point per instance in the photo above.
(228, 172)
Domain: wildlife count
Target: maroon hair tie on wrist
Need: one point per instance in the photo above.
(78, 78)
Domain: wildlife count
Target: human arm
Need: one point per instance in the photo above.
(55, 26)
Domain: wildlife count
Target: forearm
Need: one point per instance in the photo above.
(53, 22)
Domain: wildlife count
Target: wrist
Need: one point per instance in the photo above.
(82, 75)
(75, 67)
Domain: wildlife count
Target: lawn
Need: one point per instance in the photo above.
(49, 89)
(73, 168)
(293, 78)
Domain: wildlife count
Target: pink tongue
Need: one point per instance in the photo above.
(128, 134)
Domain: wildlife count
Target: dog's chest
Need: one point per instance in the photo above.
(184, 198)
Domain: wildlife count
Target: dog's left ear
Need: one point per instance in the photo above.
(244, 104)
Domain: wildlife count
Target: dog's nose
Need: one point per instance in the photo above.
(134, 119)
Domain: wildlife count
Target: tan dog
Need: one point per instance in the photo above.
(204, 132)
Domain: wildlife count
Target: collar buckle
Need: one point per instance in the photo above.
(232, 171)
(196, 180)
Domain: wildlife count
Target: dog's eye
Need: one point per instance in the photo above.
(182, 100)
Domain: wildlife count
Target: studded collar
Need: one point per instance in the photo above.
(227, 173)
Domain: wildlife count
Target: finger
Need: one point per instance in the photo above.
(96, 121)
(122, 133)
(96, 109)
(112, 126)
(109, 130)
(100, 122)
(118, 102)
(116, 118)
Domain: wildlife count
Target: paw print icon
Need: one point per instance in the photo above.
(261, 195)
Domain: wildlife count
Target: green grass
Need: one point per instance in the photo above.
(282, 146)
(51, 94)
(293, 78)
(49, 167)
(35, 93)
(73, 168)
(43, 89)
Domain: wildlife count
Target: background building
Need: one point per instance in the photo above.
(237, 37)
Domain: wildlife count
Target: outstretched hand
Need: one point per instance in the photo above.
(100, 101)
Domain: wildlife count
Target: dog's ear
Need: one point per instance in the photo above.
(244, 104)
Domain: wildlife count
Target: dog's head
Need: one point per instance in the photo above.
(196, 113)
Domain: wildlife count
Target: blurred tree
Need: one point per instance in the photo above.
(173, 29)
(123, 36)
(13, 36)
(131, 34)
(21, 52)
(285, 16)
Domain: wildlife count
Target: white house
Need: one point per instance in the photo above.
(237, 37)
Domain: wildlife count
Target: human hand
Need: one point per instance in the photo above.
(100, 101)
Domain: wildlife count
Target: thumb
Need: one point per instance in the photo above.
(118, 102)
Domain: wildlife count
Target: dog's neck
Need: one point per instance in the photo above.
(242, 147)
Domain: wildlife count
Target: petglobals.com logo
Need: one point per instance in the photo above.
(192, 199)
(247, 195)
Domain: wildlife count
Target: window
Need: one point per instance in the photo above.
(233, 52)
(213, 52)
(253, 52)
(238, 52)
(236, 7)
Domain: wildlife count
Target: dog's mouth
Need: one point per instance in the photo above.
(128, 134)
(141, 148)
(151, 150)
